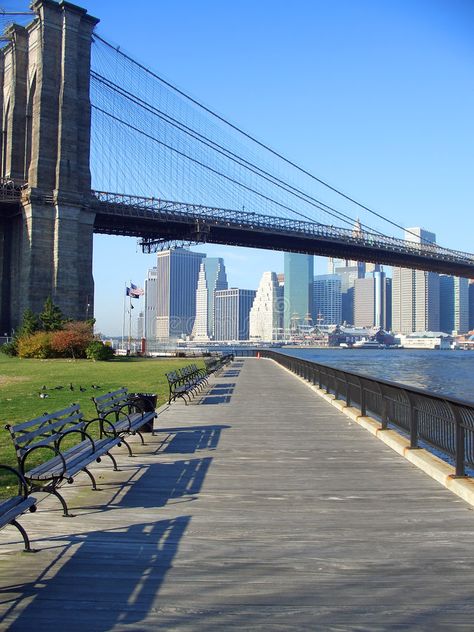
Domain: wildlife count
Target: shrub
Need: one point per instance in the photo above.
(37, 345)
(9, 349)
(73, 340)
(98, 351)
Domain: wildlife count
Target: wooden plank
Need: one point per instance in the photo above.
(271, 511)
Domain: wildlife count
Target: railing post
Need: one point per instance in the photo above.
(348, 391)
(336, 386)
(363, 399)
(320, 382)
(383, 412)
(413, 421)
(460, 446)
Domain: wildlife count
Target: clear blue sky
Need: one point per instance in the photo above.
(376, 97)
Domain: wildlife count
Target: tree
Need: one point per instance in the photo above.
(29, 324)
(51, 317)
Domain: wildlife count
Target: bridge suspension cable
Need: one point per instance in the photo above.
(196, 151)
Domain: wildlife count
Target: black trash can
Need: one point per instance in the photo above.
(149, 401)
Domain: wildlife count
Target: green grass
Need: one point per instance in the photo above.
(21, 382)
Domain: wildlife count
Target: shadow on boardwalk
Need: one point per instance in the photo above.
(99, 579)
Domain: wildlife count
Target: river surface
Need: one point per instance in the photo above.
(449, 373)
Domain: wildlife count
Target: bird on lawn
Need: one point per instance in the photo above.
(43, 395)
(71, 387)
(44, 388)
(95, 386)
(82, 389)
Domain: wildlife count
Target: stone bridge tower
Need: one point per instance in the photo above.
(46, 239)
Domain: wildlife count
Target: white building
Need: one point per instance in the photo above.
(266, 314)
(151, 295)
(415, 293)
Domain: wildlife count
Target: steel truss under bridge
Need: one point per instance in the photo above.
(155, 221)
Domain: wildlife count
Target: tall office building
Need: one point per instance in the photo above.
(151, 295)
(370, 301)
(298, 292)
(327, 300)
(454, 304)
(388, 304)
(265, 320)
(415, 293)
(348, 276)
(212, 277)
(177, 272)
(471, 304)
(232, 314)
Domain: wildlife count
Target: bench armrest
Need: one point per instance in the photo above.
(42, 447)
(22, 484)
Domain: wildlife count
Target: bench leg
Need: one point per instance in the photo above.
(113, 461)
(90, 475)
(26, 540)
(130, 453)
(141, 436)
(53, 490)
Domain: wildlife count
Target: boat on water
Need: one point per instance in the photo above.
(367, 344)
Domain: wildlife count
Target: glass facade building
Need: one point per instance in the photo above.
(327, 300)
(454, 304)
(298, 292)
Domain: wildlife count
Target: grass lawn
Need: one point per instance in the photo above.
(21, 382)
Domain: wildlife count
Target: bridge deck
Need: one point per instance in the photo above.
(258, 507)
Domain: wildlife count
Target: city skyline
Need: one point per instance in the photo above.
(395, 135)
(190, 291)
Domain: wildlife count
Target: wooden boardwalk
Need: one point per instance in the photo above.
(258, 507)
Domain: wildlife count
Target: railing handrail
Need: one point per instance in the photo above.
(443, 423)
(412, 389)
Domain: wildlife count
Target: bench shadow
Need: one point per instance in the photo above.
(190, 440)
(107, 577)
(218, 394)
(112, 577)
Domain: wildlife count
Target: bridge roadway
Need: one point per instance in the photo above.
(258, 507)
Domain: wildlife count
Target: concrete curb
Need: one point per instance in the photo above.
(432, 465)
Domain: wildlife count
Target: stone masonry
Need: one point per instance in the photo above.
(46, 244)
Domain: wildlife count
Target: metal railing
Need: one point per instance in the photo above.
(444, 424)
(133, 206)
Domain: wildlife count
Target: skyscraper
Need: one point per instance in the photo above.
(151, 296)
(454, 304)
(298, 292)
(177, 272)
(232, 314)
(327, 299)
(370, 301)
(415, 293)
(471, 304)
(265, 315)
(212, 277)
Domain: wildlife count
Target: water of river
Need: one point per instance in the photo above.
(449, 373)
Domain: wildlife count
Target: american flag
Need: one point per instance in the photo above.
(134, 291)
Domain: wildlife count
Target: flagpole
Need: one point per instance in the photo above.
(130, 323)
(123, 317)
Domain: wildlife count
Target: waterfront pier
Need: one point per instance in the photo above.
(259, 506)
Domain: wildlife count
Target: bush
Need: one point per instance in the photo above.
(98, 351)
(73, 340)
(37, 345)
(9, 349)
